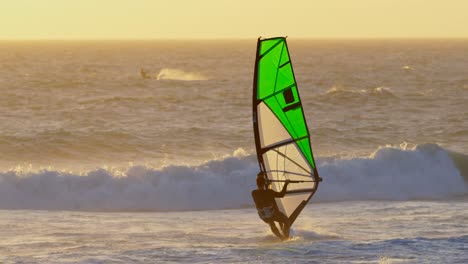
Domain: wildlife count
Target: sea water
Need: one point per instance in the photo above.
(143, 152)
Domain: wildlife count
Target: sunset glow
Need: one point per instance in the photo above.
(146, 19)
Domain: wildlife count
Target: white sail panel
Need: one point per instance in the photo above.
(290, 202)
(270, 128)
(287, 163)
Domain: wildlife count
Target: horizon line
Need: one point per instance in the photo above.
(230, 38)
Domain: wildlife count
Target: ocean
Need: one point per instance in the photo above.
(143, 152)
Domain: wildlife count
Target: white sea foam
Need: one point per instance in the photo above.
(177, 74)
(425, 172)
(377, 91)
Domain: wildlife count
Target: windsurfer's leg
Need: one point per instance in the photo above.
(286, 229)
(275, 230)
(284, 224)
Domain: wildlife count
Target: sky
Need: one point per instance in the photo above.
(168, 19)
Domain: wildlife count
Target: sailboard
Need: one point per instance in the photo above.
(282, 138)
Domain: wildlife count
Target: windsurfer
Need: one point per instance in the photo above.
(143, 74)
(268, 211)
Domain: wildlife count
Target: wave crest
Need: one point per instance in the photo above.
(180, 75)
(390, 173)
(346, 94)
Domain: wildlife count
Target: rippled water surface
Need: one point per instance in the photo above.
(143, 152)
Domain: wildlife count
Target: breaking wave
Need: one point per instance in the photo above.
(180, 75)
(391, 173)
(347, 95)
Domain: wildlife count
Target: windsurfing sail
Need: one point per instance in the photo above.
(281, 135)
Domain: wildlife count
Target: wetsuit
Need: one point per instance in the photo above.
(266, 205)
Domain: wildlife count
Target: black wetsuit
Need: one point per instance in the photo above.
(266, 198)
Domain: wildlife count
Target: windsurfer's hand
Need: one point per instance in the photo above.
(287, 181)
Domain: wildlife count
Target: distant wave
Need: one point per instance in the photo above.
(177, 74)
(352, 95)
(424, 172)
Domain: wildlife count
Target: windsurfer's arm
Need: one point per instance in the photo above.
(283, 191)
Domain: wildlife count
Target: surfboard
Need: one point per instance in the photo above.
(282, 138)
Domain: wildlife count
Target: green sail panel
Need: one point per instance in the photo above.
(281, 135)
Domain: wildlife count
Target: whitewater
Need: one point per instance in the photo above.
(143, 152)
(230, 180)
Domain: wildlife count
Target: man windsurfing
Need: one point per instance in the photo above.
(268, 211)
